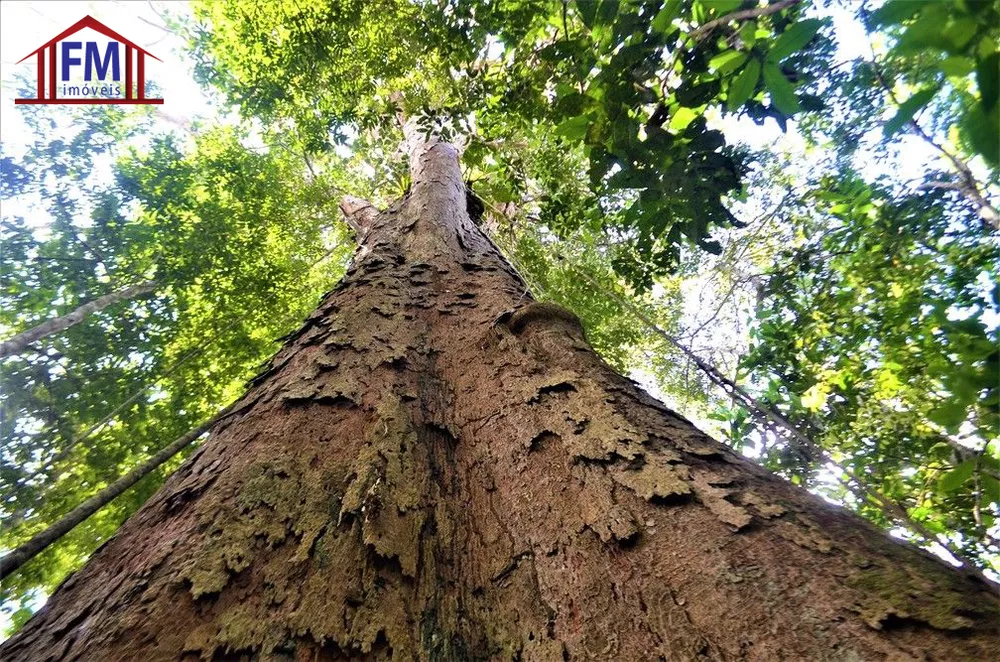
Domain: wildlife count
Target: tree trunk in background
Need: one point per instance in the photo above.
(434, 467)
(18, 343)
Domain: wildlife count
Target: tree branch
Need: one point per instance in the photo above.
(129, 401)
(358, 213)
(968, 186)
(18, 343)
(742, 15)
(39, 542)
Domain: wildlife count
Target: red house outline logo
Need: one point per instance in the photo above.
(131, 97)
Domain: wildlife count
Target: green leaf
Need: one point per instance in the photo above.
(575, 128)
(927, 32)
(709, 141)
(782, 93)
(958, 34)
(988, 79)
(957, 65)
(728, 61)
(949, 415)
(588, 11)
(682, 118)
(607, 10)
(955, 478)
(793, 39)
(982, 130)
(723, 7)
(991, 488)
(907, 110)
(933, 524)
(895, 11)
(695, 95)
(743, 86)
(663, 20)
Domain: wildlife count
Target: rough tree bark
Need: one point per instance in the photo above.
(437, 467)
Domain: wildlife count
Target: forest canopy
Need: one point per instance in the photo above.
(780, 216)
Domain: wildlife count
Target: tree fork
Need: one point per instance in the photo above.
(358, 214)
(436, 467)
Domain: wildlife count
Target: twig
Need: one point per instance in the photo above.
(968, 187)
(764, 219)
(741, 16)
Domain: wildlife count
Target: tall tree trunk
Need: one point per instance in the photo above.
(18, 343)
(436, 467)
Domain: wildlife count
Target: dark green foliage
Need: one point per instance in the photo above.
(870, 338)
(630, 85)
(949, 41)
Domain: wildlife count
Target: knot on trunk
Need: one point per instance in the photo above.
(542, 316)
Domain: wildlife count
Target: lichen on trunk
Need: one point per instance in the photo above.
(437, 467)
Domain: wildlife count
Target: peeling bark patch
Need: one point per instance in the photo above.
(299, 393)
(276, 501)
(389, 486)
(326, 362)
(806, 533)
(655, 479)
(716, 500)
(761, 505)
(602, 513)
(890, 595)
